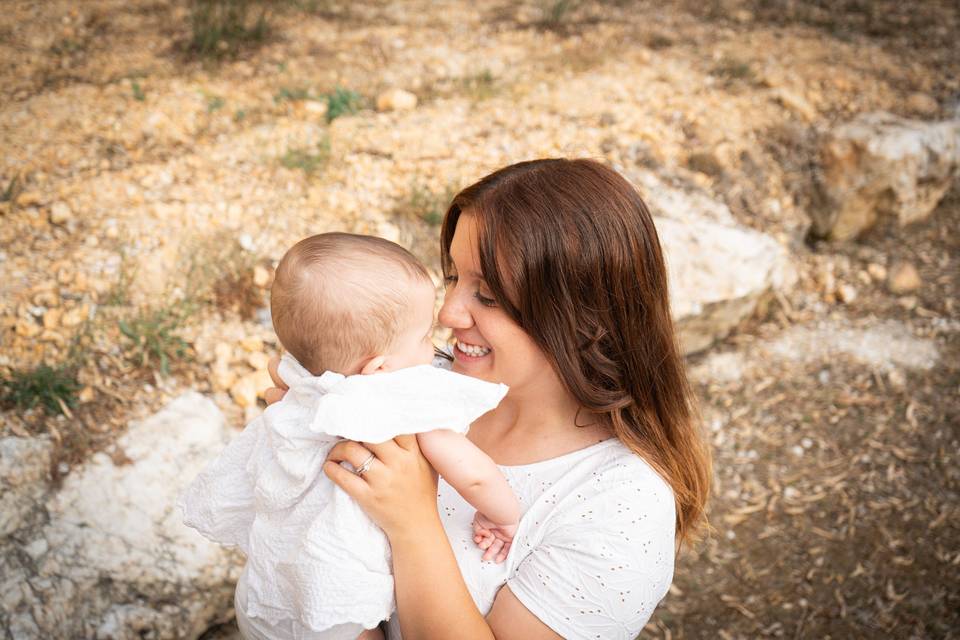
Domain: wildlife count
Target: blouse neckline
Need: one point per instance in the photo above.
(565, 457)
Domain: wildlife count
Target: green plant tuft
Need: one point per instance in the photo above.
(342, 102)
(291, 93)
(425, 204)
(53, 388)
(12, 190)
(308, 159)
(221, 27)
(732, 69)
(479, 86)
(215, 103)
(138, 93)
(555, 12)
(153, 337)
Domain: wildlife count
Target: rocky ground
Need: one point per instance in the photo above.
(146, 194)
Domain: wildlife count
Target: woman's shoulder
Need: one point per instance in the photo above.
(623, 483)
(595, 553)
(607, 466)
(605, 486)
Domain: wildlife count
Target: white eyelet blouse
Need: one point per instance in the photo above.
(594, 551)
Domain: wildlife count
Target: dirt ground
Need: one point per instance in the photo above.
(835, 512)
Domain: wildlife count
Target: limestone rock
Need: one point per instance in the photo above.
(903, 278)
(877, 271)
(396, 100)
(51, 319)
(261, 277)
(315, 108)
(667, 200)
(258, 360)
(24, 471)
(29, 198)
(152, 275)
(886, 347)
(718, 275)
(846, 293)
(881, 165)
(719, 270)
(60, 213)
(796, 104)
(114, 559)
(248, 388)
(923, 104)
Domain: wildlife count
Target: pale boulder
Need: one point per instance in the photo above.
(24, 473)
(719, 271)
(107, 556)
(880, 165)
(718, 275)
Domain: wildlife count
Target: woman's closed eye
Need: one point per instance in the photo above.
(486, 301)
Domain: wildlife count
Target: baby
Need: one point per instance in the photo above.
(344, 307)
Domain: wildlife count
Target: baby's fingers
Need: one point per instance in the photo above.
(486, 541)
(492, 550)
(479, 529)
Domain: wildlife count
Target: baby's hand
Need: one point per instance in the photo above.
(493, 538)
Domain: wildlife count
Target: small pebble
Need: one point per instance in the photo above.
(903, 278)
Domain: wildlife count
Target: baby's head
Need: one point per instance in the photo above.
(353, 304)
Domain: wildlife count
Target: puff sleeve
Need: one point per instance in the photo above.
(603, 558)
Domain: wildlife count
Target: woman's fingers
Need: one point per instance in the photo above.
(407, 441)
(385, 451)
(272, 368)
(354, 485)
(354, 453)
(274, 394)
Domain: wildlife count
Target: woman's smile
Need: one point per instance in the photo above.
(468, 350)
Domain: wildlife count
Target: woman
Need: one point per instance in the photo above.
(555, 286)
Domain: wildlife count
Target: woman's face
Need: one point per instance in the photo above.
(488, 344)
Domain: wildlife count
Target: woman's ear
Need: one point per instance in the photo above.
(373, 365)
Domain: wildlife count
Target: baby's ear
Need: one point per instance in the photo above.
(373, 365)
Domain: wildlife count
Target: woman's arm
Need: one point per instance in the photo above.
(399, 493)
(472, 473)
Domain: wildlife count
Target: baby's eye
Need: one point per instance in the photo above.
(448, 280)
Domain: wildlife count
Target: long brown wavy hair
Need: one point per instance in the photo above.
(569, 251)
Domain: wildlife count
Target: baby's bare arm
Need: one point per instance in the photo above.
(472, 473)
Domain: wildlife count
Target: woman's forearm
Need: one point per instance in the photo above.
(432, 600)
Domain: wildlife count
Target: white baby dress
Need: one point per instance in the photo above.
(315, 561)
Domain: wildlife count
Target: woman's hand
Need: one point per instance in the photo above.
(274, 394)
(399, 488)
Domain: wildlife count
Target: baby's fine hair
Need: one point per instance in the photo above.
(339, 297)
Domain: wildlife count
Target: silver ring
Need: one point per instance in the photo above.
(365, 465)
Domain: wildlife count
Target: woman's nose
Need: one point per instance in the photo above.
(454, 313)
